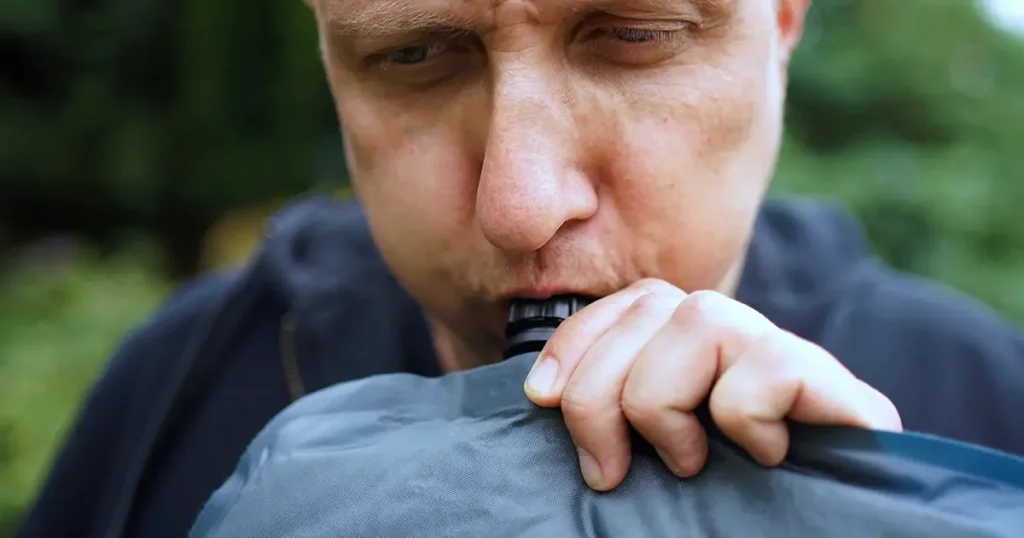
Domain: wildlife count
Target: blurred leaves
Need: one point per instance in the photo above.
(912, 113)
(60, 321)
(156, 114)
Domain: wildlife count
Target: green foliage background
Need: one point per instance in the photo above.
(127, 119)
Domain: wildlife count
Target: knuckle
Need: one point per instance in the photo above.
(708, 301)
(642, 409)
(644, 302)
(788, 357)
(577, 403)
(721, 317)
(700, 307)
(775, 351)
(657, 287)
(701, 310)
(649, 304)
(727, 412)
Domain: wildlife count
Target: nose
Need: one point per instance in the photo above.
(532, 182)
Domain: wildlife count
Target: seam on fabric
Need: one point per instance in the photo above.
(290, 357)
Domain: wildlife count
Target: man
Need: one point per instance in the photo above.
(520, 148)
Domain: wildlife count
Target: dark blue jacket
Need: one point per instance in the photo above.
(186, 393)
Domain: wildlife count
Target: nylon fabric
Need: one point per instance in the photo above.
(467, 455)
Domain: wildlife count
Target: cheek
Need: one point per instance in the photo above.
(691, 168)
(693, 139)
(415, 178)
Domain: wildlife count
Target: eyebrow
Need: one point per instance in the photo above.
(369, 19)
(381, 18)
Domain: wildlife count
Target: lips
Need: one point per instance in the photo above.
(543, 293)
(537, 294)
(558, 307)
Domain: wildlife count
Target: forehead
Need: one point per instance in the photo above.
(371, 17)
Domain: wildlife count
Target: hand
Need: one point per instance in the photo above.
(651, 354)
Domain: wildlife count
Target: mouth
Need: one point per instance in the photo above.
(592, 291)
(524, 300)
(544, 293)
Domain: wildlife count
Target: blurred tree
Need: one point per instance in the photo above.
(155, 114)
(912, 112)
(59, 323)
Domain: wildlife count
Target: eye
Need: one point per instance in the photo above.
(415, 54)
(638, 35)
(636, 43)
(424, 62)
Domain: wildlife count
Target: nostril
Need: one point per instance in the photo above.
(523, 209)
(530, 182)
(517, 235)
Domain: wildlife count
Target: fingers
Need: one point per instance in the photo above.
(576, 335)
(649, 356)
(566, 348)
(782, 376)
(675, 371)
(761, 376)
(606, 334)
(591, 401)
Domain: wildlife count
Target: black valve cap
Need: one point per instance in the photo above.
(531, 321)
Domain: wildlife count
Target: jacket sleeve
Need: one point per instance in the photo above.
(77, 498)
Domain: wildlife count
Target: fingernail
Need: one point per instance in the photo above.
(543, 375)
(591, 469)
(669, 461)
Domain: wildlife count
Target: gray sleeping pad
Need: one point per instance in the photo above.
(467, 455)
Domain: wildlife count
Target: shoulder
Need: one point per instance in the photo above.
(951, 364)
(148, 355)
(321, 259)
(169, 329)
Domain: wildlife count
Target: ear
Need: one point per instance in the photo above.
(789, 19)
(350, 156)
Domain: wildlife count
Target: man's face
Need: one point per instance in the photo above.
(506, 148)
